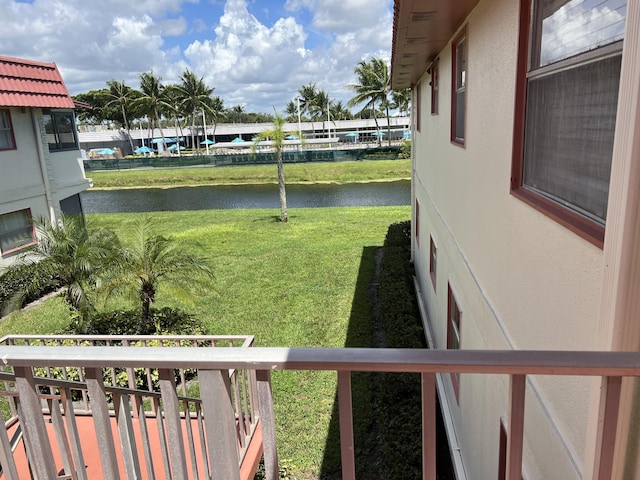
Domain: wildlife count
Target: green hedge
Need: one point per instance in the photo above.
(27, 283)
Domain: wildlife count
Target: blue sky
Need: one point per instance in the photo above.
(255, 53)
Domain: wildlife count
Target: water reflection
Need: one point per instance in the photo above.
(246, 196)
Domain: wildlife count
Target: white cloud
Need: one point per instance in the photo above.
(248, 62)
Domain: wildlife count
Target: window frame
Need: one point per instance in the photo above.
(453, 310)
(53, 114)
(417, 224)
(418, 107)
(585, 227)
(435, 86)
(433, 261)
(461, 38)
(33, 241)
(12, 136)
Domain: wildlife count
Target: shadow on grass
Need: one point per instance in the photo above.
(387, 439)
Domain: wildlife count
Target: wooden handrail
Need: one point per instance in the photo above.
(514, 362)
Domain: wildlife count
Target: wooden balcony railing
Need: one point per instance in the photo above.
(215, 409)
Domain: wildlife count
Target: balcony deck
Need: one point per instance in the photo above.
(91, 451)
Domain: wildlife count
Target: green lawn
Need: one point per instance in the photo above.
(336, 172)
(289, 284)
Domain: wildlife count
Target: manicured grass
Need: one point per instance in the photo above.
(301, 284)
(336, 172)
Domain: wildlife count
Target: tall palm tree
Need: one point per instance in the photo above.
(151, 100)
(373, 84)
(215, 112)
(121, 95)
(196, 98)
(170, 107)
(308, 102)
(401, 100)
(340, 112)
(277, 135)
(151, 259)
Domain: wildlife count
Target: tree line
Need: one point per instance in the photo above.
(191, 102)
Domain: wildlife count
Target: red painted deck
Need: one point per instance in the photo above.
(91, 453)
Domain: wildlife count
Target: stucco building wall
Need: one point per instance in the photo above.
(521, 280)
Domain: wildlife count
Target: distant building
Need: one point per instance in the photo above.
(41, 171)
(526, 200)
(347, 131)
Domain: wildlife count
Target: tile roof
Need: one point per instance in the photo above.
(26, 83)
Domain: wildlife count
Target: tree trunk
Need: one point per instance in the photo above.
(375, 118)
(388, 125)
(126, 125)
(281, 187)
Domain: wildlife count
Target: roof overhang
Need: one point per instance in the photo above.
(421, 29)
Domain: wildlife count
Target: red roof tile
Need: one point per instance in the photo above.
(26, 83)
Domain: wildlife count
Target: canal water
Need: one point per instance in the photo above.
(246, 196)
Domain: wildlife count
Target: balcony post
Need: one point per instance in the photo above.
(606, 434)
(220, 424)
(102, 423)
(35, 431)
(516, 427)
(428, 426)
(171, 408)
(6, 455)
(345, 411)
(267, 419)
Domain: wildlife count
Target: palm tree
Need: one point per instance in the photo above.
(373, 84)
(122, 95)
(151, 99)
(152, 258)
(170, 107)
(277, 135)
(308, 102)
(77, 256)
(196, 98)
(340, 112)
(215, 111)
(401, 100)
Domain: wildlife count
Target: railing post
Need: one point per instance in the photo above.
(72, 431)
(171, 408)
(345, 412)
(267, 420)
(127, 436)
(515, 432)
(220, 424)
(35, 431)
(102, 423)
(606, 434)
(6, 455)
(429, 426)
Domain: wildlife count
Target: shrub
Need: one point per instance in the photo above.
(26, 283)
(166, 321)
(405, 149)
(399, 394)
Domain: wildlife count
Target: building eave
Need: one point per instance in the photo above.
(421, 29)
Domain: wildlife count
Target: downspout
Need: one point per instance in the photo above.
(37, 133)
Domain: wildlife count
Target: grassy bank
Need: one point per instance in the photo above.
(301, 284)
(336, 172)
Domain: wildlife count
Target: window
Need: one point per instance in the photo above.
(454, 316)
(458, 87)
(435, 87)
(566, 102)
(417, 224)
(7, 141)
(433, 257)
(16, 231)
(418, 106)
(60, 128)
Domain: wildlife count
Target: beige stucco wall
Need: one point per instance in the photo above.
(521, 280)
